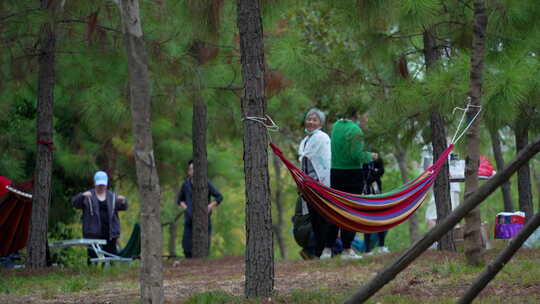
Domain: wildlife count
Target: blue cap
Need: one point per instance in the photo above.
(101, 178)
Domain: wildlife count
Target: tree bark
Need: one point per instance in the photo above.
(278, 201)
(473, 221)
(173, 227)
(441, 189)
(37, 242)
(200, 180)
(259, 249)
(471, 202)
(499, 162)
(524, 173)
(502, 259)
(401, 157)
(151, 275)
(536, 174)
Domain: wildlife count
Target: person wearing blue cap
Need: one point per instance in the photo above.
(100, 208)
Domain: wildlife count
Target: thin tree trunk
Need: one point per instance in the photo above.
(536, 174)
(401, 157)
(151, 275)
(278, 200)
(499, 162)
(473, 221)
(524, 173)
(471, 202)
(259, 249)
(173, 227)
(173, 230)
(37, 242)
(441, 189)
(502, 259)
(200, 180)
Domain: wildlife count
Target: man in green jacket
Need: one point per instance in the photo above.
(346, 174)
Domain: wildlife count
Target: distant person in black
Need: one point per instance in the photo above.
(374, 170)
(185, 200)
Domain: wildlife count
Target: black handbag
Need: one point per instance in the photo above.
(301, 225)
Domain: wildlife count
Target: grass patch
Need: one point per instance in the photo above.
(520, 272)
(339, 263)
(321, 296)
(58, 280)
(214, 297)
(397, 299)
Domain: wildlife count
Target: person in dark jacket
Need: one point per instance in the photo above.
(185, 200)
(100, 208)
(374, 170)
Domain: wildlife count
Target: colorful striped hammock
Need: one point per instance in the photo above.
(365, 213)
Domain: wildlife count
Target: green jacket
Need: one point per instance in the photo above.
(348, 146)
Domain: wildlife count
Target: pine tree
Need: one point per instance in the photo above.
(508, 205)
(206, 16)
(37, 243)
(151, 276)
(259, 251)
(473, 221)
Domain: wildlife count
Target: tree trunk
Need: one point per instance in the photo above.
(499, 162)
(441, 189)
(151, 275)
(401, 158)
(502, 259)
(471, 202)
(37, 242)
(278, 200)
(259, 249)
(536, 173)
(524, 173)
(473, 222)
(200, 180)
(173, 227)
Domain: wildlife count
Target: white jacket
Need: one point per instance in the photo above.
(318, 151)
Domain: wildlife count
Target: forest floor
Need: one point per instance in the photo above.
(435, 277)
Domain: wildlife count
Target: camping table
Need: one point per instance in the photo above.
(95, 245)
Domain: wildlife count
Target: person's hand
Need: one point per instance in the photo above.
(87, 194)
(121, 198)
(183, 205)
(374, 155)
(212, 205)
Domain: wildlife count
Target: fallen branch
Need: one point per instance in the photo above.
(400, 263)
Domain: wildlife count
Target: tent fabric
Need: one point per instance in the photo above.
(133, 246)
(485, 169)
(15, 214)
(365, 213)
(4, 182)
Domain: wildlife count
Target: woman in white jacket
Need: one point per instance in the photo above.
(315, 157)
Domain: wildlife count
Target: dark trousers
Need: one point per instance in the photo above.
(351, 181)
(187, 239)
(110, 247)
(319, 225)
(380, 239)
